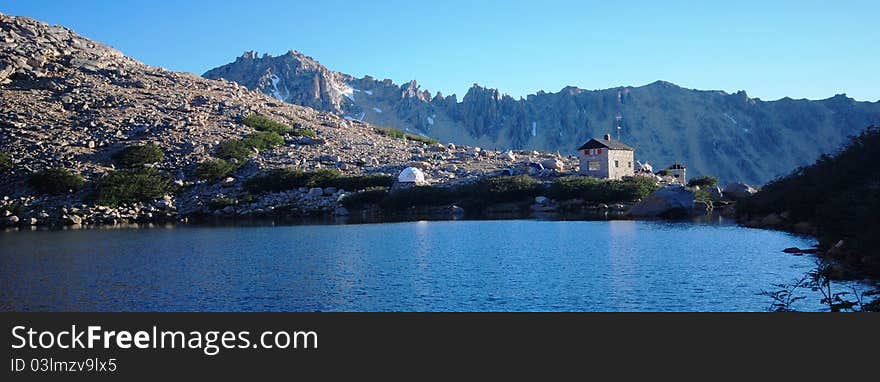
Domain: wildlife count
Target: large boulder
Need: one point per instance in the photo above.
(739, 191)
(555, 164)
(672, 199)
(411, 175)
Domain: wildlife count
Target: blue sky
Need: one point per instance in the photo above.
(771, 49)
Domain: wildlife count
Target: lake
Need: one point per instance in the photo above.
(500, 265)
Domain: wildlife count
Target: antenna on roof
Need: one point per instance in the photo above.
(618, 118)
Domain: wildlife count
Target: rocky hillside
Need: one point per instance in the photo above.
(70, 102)
(732, 136)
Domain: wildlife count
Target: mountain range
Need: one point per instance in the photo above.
(732, 136)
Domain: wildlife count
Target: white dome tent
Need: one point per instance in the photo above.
(411, 175)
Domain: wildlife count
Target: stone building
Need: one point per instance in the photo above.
(678, 172)
(606, 158)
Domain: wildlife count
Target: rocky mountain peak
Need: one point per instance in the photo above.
(713, 132)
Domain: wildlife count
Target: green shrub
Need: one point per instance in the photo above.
(601, 191)
(280, 179)
(237, 149)
(264, 140)
(703, 195)
(325, 177)
(241, 149)
(838, 194)
(221, 203)
(703, 182)
(420, 196)
(137, 156)
(130, 186)
(360, 182)
(5, 162)
(302, 132)
(372, 195)
(287, 179)
(56, 181)
(16, 208)
(262, 123)
(216, 169)
(505, 188)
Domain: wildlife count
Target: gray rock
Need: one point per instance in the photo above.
(542, 200)
(555, 164)
(739, 190)
(73, 219)
(341, 211)
(664, 200)
(315, 192)
(771, 220)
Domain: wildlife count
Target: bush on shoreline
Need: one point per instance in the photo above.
(283, 179)
(502, 189)
(130, 186)
(420, 196)
(139, 155)
(601, 191)
(837, 194)
(372, 195)
(56, 181)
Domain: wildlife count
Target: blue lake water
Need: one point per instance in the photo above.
(501, 265)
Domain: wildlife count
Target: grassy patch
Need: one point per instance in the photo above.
(216, 169)
(130, 186)
(400, 134)
(56, 181)
(137, 156)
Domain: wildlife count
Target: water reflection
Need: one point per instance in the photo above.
(427, 265)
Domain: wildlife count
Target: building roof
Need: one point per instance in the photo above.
(597, 143)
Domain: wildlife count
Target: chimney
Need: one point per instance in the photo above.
(607, 137)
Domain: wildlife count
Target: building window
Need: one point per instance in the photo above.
(629, 164)
(593, 165)
(616, 164)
